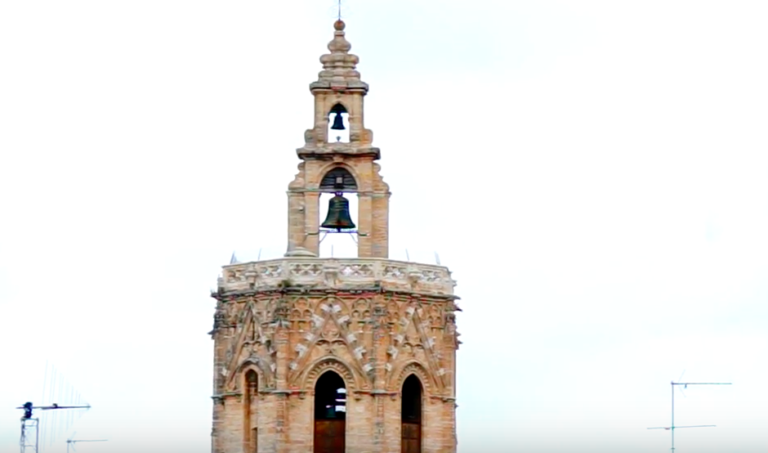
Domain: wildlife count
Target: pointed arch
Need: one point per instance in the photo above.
(411, 412)
(412, 367)
(255, 364)
(250, 410)
(320, 366)
(330, 412)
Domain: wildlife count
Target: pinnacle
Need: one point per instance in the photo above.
(339, 65)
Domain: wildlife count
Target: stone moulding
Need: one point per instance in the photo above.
(334, 273)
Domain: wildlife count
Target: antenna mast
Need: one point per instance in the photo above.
(29, 424)
(672, 427)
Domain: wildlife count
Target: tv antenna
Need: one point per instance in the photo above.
(29, 423)
(71, 443)
(34, 430)
(672, 427)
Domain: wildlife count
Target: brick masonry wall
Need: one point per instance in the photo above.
(376, 321)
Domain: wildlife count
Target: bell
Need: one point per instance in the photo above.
(338, 217)
(338, 123)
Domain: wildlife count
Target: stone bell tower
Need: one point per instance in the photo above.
(326, 355)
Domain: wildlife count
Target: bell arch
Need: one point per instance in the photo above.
(338, 124)
(330, 413)
(411, 408)
(338, 179)
(340, 214)
(250, 411)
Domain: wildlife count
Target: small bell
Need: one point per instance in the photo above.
(338, 123)
(338, 217)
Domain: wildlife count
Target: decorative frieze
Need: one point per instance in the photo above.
(337, 274)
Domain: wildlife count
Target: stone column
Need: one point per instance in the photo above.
(282, 344)
(364, 226)
(380, 394)
(312, 222)
(296, 225)
(380, 225)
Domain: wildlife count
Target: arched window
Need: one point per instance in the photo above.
(251, 413)
(330, 413)
(411, 415)
(338, 182)
(338, 124)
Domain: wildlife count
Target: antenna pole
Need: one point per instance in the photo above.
(672, 427)
(28, 423)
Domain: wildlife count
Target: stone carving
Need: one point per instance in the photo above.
(329, 335)
(411, 342)
(305, 270)
(250, 344)
(315, 370)
(351, 272)
(407, 369)
(357, 270)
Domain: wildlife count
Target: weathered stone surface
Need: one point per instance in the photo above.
(281, 325)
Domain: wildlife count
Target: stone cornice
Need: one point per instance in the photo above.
(329, 150)
(299, 275)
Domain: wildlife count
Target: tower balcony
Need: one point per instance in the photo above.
(336, 274)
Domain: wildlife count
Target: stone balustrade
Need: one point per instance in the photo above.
(337, 273)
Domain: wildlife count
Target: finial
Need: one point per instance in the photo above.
(339, 43)
(339, 65)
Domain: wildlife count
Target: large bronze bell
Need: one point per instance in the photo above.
(338, 217)
(338, 122)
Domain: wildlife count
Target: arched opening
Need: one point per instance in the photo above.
(251, 413)
(338, 124)
(330, 413)
(411, 415)
(338, 182)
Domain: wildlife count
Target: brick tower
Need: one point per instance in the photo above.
(329, 355)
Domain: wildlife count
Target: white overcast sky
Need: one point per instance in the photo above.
(594, 173)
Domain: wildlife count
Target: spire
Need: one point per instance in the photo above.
(339, 65)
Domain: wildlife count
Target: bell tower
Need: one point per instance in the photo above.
(325, 355)
(338, 157)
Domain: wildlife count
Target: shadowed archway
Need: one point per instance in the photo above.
(330, 413)
(251, 413)
(411, 409)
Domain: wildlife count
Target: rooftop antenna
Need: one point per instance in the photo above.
(71, 443)
(29, 441)
(672, 427)
(55, 387)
